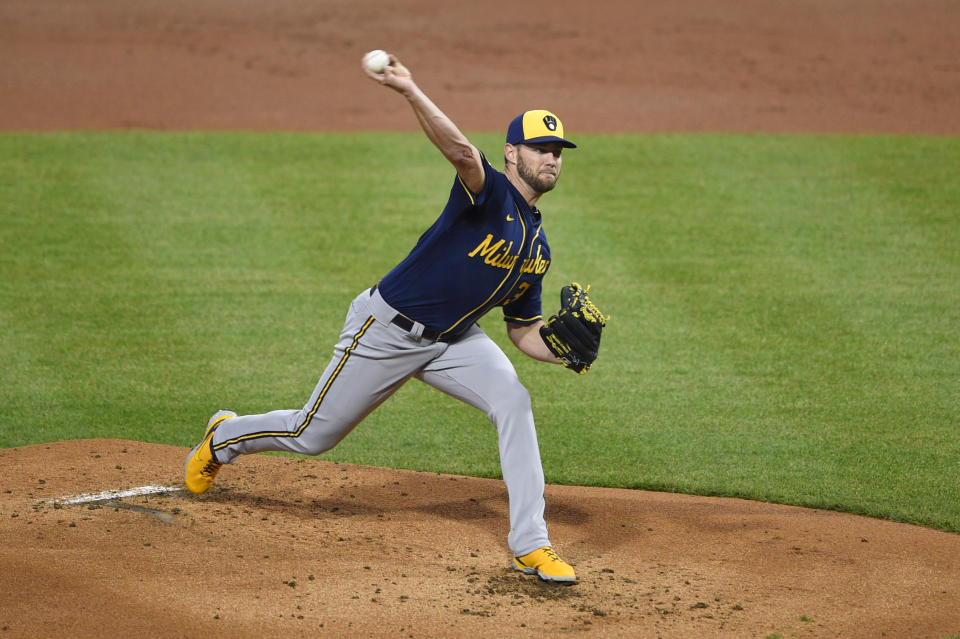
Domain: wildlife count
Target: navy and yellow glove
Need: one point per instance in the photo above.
(573, 334)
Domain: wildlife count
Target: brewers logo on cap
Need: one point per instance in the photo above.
(533, 127)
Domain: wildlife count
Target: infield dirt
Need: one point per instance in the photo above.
(301, 547)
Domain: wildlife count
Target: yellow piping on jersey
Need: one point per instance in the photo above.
(499, 286)
(466, 188)
(316, 405)
(510, 318)
(529, 255)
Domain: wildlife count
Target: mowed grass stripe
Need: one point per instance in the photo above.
(785, 308)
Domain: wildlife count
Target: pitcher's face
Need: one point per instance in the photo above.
(539, 164)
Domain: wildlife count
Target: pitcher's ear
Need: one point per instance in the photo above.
(509, 154)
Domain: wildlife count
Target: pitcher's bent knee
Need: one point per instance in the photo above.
(510, 400)
(315, 440)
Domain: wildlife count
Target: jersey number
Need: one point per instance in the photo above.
(520, 291)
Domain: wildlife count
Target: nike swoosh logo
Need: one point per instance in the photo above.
(509, 219)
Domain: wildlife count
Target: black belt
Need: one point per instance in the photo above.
(428, 334)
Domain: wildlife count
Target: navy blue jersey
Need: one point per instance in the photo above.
(486, 249)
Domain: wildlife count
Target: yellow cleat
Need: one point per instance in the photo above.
(201, 467)
(545, 563)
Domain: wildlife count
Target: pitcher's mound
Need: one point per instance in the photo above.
(98, 534)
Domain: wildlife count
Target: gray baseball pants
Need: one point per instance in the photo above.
(372, 359)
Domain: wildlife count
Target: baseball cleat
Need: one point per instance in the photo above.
(545, 563)
(201, 467)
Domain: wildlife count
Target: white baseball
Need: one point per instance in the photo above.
(376, 60)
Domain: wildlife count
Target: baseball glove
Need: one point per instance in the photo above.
(573, 334)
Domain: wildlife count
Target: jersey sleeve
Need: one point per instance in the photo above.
(526, 309)
(477, 199)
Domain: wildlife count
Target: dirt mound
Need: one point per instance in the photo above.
(291, 547)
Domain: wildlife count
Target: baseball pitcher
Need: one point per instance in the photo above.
(488, 248)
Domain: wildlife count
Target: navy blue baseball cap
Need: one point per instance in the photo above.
(534, 127)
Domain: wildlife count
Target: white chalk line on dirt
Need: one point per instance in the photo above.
(116, 494)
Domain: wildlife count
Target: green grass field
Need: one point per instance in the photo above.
(785, 310)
